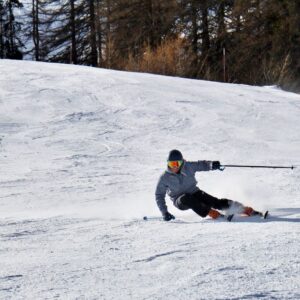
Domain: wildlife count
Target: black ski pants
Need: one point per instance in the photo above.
(201, 203)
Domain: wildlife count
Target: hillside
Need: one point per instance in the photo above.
(81, 152)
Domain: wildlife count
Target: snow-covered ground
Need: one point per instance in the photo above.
(81, 150)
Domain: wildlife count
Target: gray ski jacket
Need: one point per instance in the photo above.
(176, 185)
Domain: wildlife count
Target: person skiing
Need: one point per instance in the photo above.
(179, 182)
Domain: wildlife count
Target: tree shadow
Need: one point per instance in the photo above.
(287, 215)
(287, 210)
(281, 219)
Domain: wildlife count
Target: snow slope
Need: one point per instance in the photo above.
(81, 150)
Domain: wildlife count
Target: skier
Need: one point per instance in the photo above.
(179, 182)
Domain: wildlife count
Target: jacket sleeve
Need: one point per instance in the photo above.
(201, 165)
(160, 194)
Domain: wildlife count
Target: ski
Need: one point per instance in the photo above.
(227, 217)
(263, 215)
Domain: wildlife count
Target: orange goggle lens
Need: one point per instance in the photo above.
(175, 163)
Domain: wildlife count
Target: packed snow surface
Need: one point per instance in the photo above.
(81, 150)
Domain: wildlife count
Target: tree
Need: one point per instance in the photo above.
(137, 24)
(176, 37)
(74, 59)
(2, 14)
(35, 29)
(92, 35)
(290, 71)
(10, 41)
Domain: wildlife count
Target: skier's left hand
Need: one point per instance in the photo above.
(216, 165)
(168, 217)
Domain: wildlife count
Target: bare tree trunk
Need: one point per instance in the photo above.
(194, 27)
(1, 31)
(205, 31)
(93, 46)
(73, 34)
(221, 38)
(35, 31)
(221, 22)
(99, 33)
(150, 24)
(11, 27)
(108, 35)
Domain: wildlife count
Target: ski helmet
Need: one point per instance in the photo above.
(175, 155)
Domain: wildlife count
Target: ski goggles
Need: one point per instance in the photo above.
(175, 163)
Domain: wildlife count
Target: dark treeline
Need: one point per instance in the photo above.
(242, 41)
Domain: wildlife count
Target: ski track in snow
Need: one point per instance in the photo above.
(81, 151)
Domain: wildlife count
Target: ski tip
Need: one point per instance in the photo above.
(266, 214)
(229, 217)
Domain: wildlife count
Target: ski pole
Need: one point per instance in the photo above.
(251, 166)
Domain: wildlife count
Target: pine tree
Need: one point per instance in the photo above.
(35, 28)
(10, 28)
(176, 37)
(2, 15)
(137, 24)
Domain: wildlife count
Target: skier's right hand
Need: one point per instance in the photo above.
(168, 217)
(216, 165)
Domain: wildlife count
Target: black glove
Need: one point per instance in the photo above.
(216, 165)
(168, 217)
